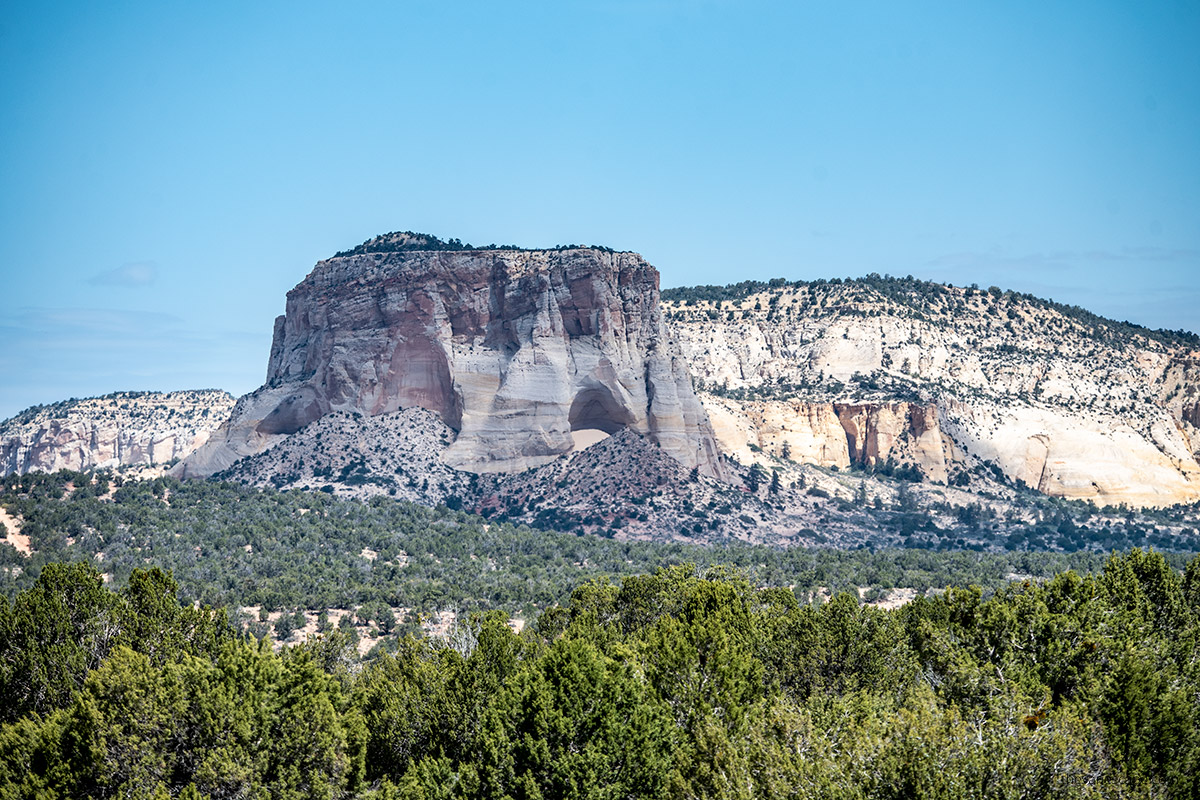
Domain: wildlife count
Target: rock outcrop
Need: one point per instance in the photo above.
(117, 430)
(945, 379)
(513, 349)
(831, 434)
(1072, 455)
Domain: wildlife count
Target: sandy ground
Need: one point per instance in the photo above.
(15, 537)
(586, 437)
(894, 598)
(367, 637)
(438, 625)
(820, 595)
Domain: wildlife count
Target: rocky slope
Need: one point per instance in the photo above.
(398, 454)
(514, 350)
(627, 487)
(945, 380)
(117, 430)
(622, 485)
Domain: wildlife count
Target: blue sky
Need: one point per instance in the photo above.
(168, 171)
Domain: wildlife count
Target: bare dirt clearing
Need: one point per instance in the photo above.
(17, 539)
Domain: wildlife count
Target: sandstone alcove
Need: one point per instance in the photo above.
(595, 415)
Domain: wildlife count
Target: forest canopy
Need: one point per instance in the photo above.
(681, 683)
(231, 546)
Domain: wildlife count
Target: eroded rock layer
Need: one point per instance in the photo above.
(832, 434)
(947, 380)
(117, 430)
(513, 349)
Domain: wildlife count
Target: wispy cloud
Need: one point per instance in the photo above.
(85, 324)
(76, 352)
(135, 273)
(1063, 259)
(1166, 296)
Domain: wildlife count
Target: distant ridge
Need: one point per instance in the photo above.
(955, 381)
(60, 408)
(121, 429)
(915, 294)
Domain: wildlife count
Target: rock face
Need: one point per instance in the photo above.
(1072, 455)
(948, 380)
(513, 349)
(122, 429)
(831, 434)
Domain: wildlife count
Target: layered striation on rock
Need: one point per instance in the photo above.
(1108, 461)
(832, 434)
(946, 379)
(117, 430)
(513, 349)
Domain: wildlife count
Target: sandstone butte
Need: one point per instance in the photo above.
(515, 350)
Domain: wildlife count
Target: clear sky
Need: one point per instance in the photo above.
(169, 170)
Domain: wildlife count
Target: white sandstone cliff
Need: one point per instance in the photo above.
(117, 430)
(930, 375)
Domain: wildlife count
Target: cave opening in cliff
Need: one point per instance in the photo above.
(595, 415)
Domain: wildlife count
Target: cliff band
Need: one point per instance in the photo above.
(950, 381)
(118, 430)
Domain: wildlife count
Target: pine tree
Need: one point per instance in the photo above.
(754, 478)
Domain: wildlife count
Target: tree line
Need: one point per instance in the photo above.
(230, 545)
